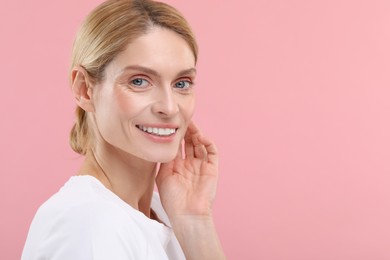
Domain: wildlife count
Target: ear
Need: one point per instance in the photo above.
(82, 89)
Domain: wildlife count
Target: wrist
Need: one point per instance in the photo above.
(192, 227)
(186, 222)
(197, 236)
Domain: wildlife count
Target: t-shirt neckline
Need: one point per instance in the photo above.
(112, 195)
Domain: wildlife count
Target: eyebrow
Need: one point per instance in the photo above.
(155, 73)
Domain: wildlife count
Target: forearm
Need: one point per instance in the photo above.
(198, 237)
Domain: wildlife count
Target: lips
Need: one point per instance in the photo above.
(157, 131)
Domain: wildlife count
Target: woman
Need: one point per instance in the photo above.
(132, 76)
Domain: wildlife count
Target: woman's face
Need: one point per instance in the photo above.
(146, 100)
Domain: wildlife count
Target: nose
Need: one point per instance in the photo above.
(166, 104)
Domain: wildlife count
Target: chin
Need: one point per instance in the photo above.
(159, 154)
(162, 158)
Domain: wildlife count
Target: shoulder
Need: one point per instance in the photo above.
(82, 200)
(82, 222)
(83, 203)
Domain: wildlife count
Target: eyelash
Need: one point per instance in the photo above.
(132, 82)
(188, 83)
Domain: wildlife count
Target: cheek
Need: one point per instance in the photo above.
(188, 108)
(128, 105)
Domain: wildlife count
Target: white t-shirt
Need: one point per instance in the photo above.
(84, 220)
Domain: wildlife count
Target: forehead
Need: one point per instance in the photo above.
(159, 49)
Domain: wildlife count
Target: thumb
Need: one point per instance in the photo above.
(165, 170)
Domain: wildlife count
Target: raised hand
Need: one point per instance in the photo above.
(187, 185)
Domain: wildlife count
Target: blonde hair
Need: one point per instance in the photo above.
(106, 32)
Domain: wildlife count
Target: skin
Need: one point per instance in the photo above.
(151, 84)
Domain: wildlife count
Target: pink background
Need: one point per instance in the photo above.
(295, 93)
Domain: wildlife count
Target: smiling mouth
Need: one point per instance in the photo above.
(157, 131)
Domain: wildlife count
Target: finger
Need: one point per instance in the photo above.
(192, 129)
(165, 170)
(211, 149)
(188, 140)
(170, 167)
(188, 147)
(180, 150)
(199, 149)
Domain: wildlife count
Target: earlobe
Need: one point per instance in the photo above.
(82, 89)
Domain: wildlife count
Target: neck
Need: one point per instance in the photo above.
(129, 177)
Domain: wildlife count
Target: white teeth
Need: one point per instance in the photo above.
(160, 131)
(157, 131)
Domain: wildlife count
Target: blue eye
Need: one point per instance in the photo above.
(183, 84)
(140, 82)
